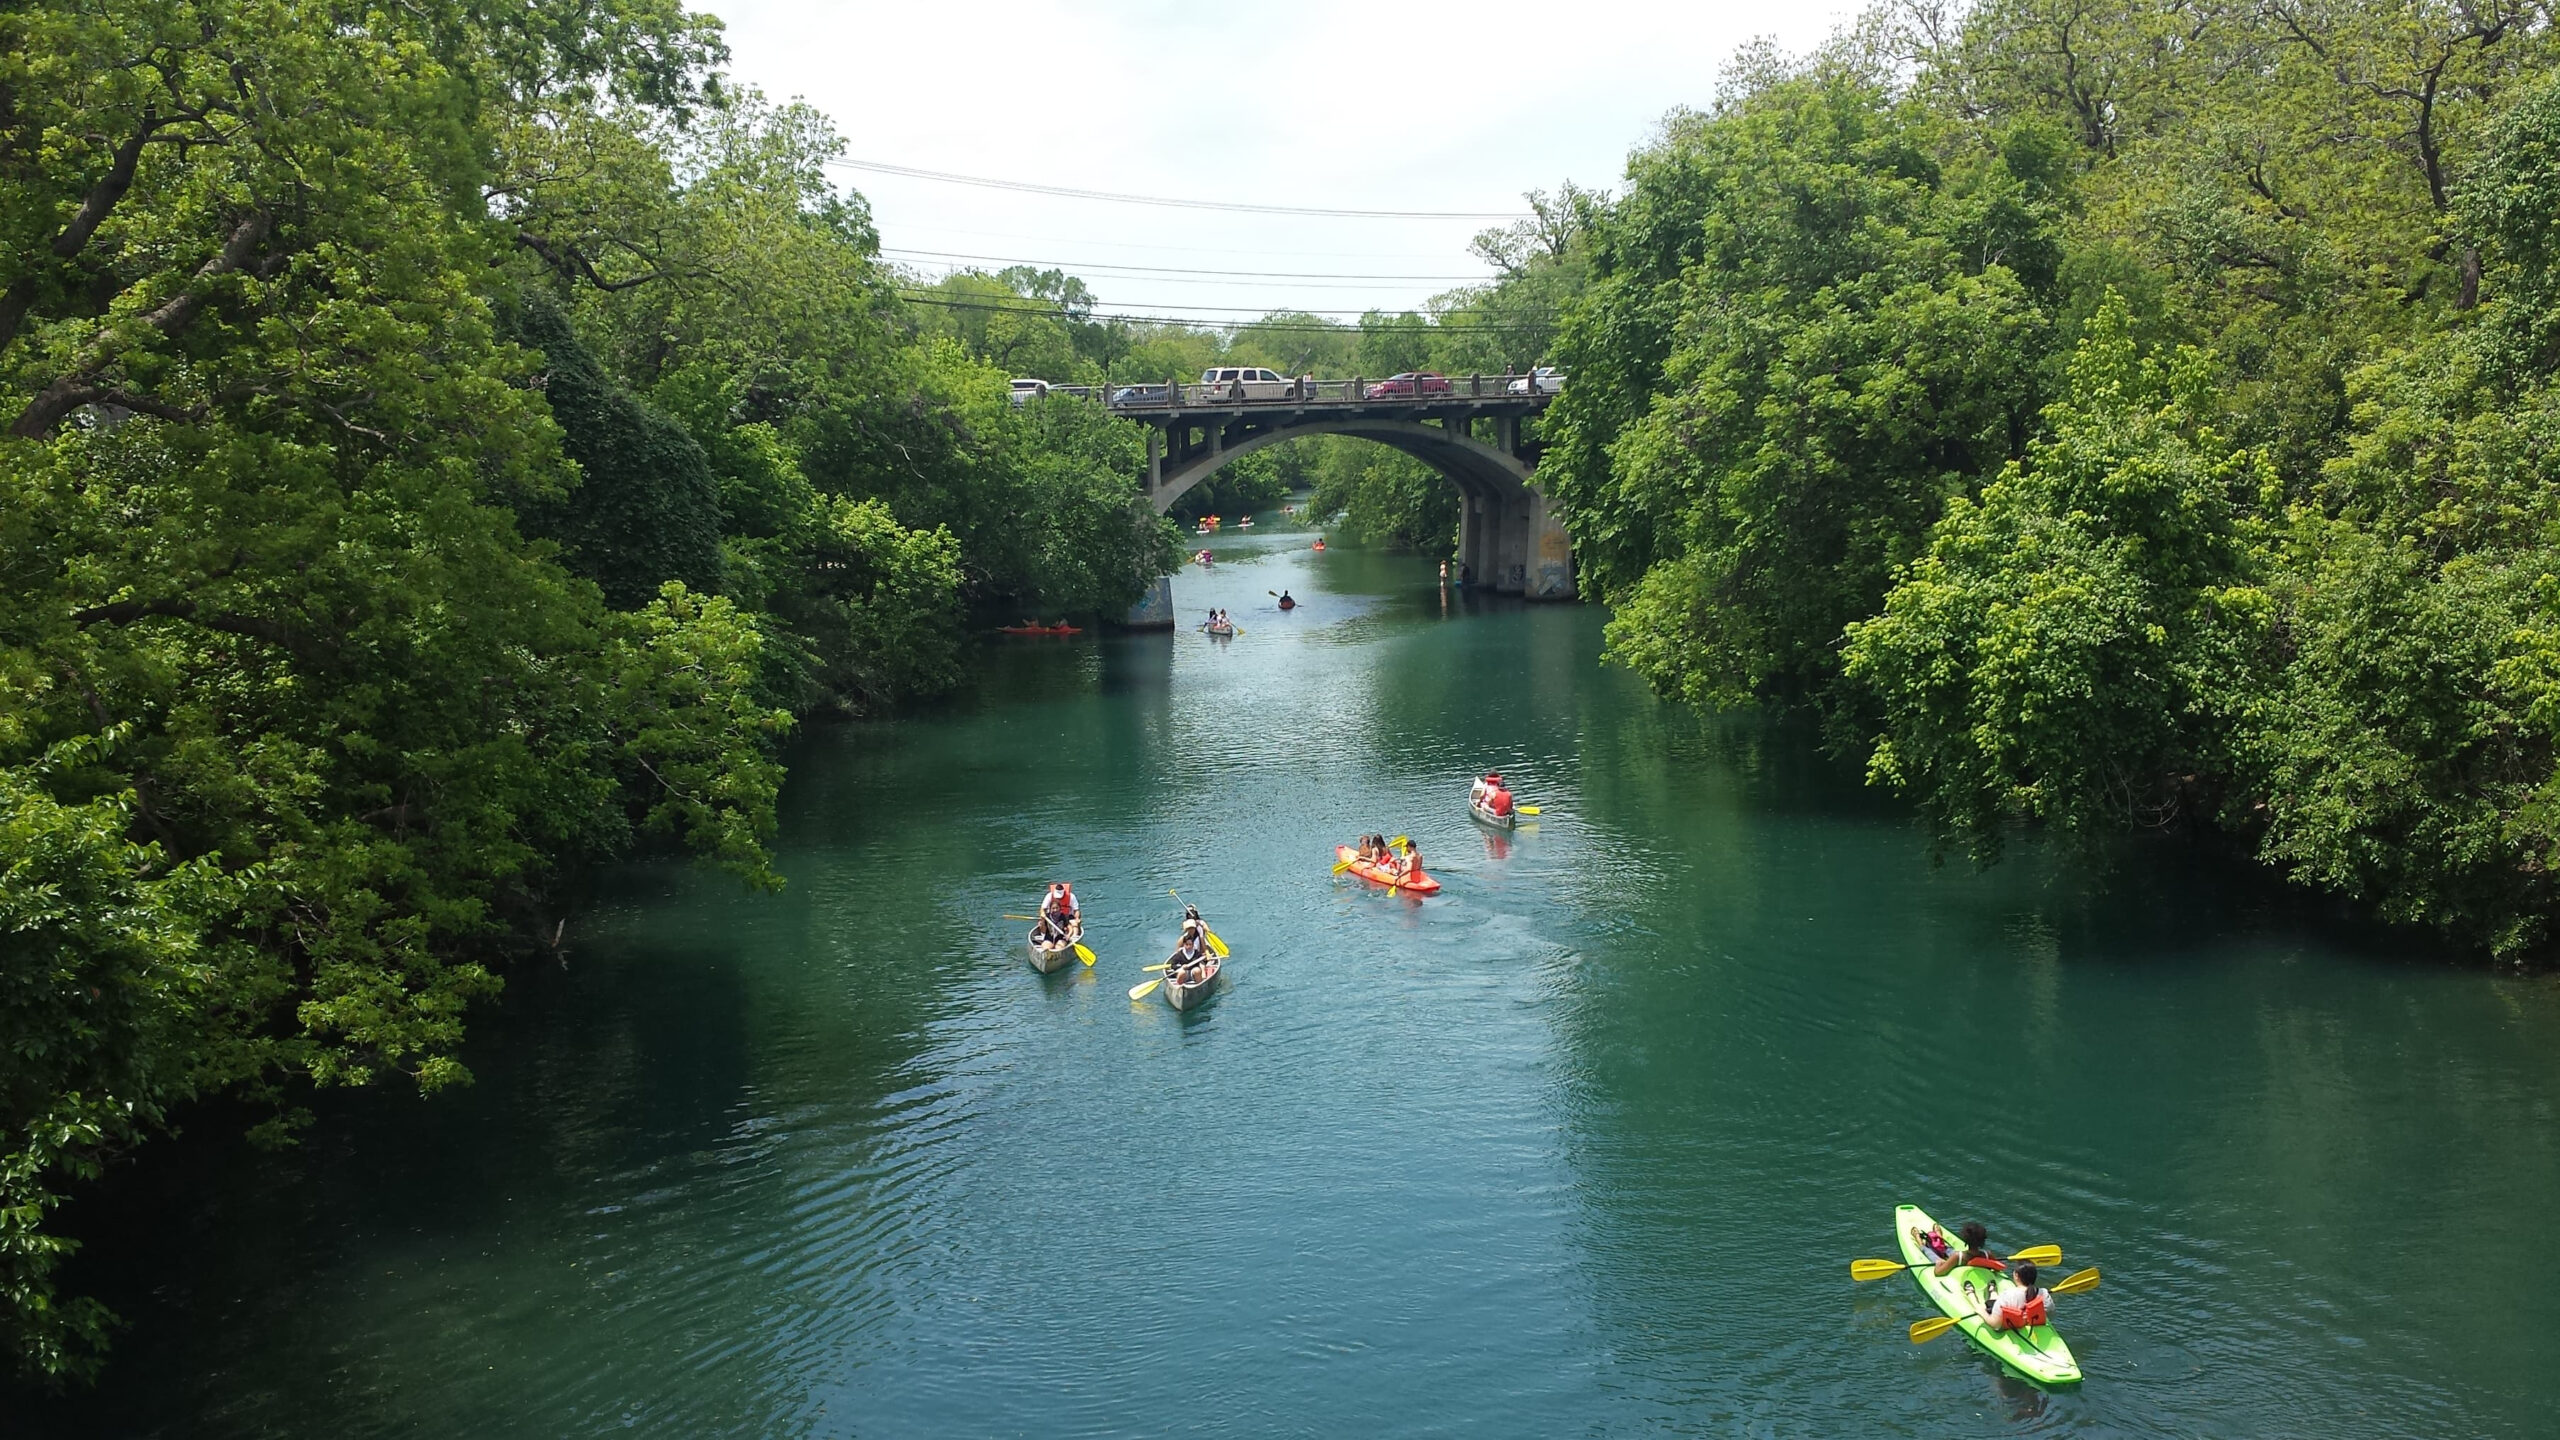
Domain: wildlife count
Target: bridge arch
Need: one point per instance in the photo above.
(1506, 540)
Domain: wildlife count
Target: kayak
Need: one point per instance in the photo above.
(2037, 1353)
(1224, 632)
(1040, 629)
(1288, 604)
(1420, 884)
(1488, 817)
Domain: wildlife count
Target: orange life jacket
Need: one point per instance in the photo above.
(1501, 803)
(2021, 1312)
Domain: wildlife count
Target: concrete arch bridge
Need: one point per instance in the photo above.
(1470, 433)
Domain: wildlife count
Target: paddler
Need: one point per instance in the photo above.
(1975, 1254)
(1058, 908)
(1286, 603)
(1411, 865)
(1497, 798)
(1191, 952)
(2022, 1306)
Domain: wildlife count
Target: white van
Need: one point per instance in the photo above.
(1245, 382)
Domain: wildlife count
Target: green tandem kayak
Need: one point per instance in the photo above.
(2036, 1353)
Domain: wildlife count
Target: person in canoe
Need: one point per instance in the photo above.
(1059, 911)
(1975, 1252)
(2020, 1306)
(1189, 962)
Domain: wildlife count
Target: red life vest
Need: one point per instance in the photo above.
(1061, 903)
(2021, 1312)
(1501, 804)
(1985, 1262)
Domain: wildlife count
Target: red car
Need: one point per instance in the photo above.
(1412, 382)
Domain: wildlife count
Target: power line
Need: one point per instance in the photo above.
(1027, 187)
(1105, 265)
(1192, 321)
(910, 227)
(1045, 309)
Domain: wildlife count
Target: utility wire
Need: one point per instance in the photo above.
(1474, 327)
(1047, 308)
(1173, 269)
(1025, 186)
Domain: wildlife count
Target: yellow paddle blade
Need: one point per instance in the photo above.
(1924, 1331)
(1141, 992)
(2038, 1255)
(1875, 1269)
(1217, 946)
(1531, 810)
(1399, 842)
(2084, 1280)
(1342, 866)
(1084, 955)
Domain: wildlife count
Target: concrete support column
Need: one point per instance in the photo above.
(1155, 461)
(1550, 554)
(1475, 535)
(1511, 558)
(1154, 610)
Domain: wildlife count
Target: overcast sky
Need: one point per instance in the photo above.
(1373, 106)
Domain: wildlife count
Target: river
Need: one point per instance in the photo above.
(1581, 1146)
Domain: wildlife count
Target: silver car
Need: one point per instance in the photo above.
(1245, 382)
(1545, 380)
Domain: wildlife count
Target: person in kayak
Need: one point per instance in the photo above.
(1286, 603)
(1975, 1254)
(2022, 1306)
(1411, 864)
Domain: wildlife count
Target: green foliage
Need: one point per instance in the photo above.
(2273, 561)
(1386, 498)
(2073, 646)
(1250, 482)
(1833, 364)
(644, 510)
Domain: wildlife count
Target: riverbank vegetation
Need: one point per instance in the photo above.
(446, 446)
(2120, 418)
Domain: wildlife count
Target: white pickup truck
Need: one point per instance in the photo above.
(1245, 382)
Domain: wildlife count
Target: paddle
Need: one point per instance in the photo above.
(1141, 992)
(1217, 946)
(1878, 1269)
(1084, 955)
(1924, 1331)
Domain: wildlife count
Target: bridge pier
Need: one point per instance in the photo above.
(1154, 610)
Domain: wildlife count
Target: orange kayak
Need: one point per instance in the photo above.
(1420, 883)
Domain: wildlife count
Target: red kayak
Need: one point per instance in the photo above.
(1040, 629)
(1419, 883)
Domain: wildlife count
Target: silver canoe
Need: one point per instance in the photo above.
(1183, 997)
(1049, 958)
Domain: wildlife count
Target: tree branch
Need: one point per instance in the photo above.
(69, 392)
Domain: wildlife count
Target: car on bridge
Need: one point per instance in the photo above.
(1544, 380)
(1245, 382)
(1416, 383)
(1141, 395)
(1028, 392)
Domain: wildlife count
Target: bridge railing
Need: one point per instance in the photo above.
(1307, 390)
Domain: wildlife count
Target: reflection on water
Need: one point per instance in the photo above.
(1578, 1146)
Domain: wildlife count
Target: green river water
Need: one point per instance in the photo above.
(1581, 1146)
